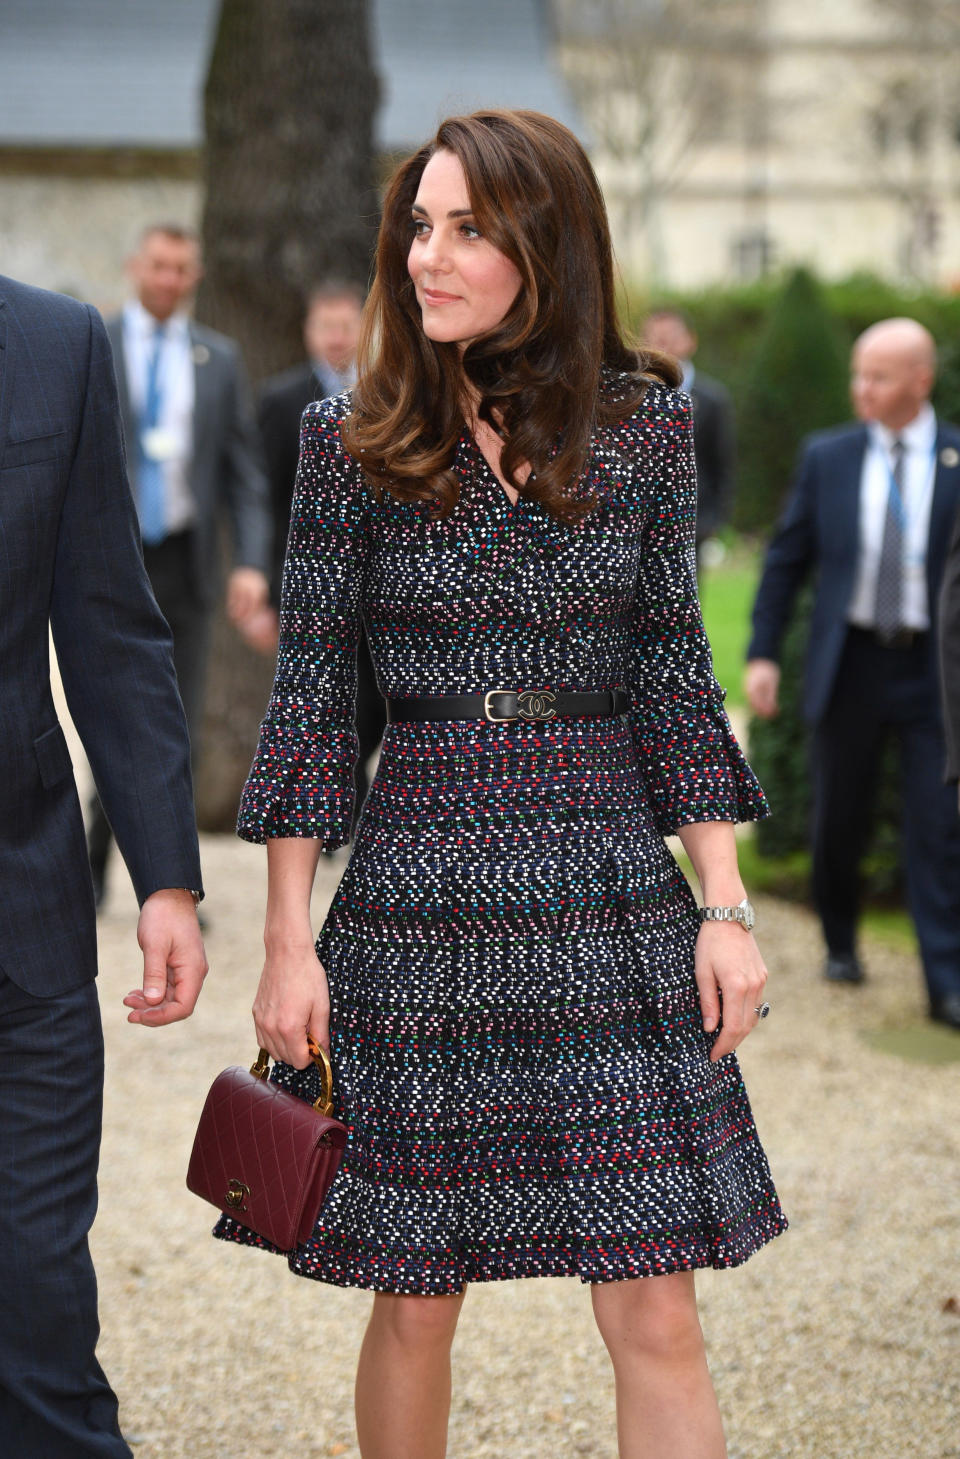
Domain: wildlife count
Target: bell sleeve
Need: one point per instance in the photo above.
(301, 781)
(692, 764)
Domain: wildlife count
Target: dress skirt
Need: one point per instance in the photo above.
(516, 1036)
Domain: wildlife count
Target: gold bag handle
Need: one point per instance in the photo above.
(323, 1105)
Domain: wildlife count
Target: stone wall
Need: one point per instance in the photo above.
(72, 233)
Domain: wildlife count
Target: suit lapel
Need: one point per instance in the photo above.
(844, 490)
(203, 381)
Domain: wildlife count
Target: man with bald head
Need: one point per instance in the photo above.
(870, 516)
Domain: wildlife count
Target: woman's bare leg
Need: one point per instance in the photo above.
(403, 1377)
(666, 1406)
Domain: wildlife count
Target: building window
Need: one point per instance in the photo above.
(753, 253)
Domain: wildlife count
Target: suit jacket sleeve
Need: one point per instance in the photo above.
(693, 767)
(301, 782)
(115, 653)
(247, 492)
(279, 434)
(788, 562)
(950, 652)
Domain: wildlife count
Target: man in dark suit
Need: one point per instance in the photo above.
(714, 430)
(331, 333)
(193, 456)
(70, 561)
(870, 514)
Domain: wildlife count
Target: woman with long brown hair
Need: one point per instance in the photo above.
(531, 1024)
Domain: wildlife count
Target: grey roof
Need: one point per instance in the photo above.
(126, 73)
(438, 57)
(103, 72)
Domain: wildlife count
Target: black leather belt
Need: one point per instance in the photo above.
(901, 639)
(502, 706)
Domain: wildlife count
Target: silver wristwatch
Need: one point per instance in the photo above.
(743, 913)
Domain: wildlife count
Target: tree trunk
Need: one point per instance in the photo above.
(290, 100)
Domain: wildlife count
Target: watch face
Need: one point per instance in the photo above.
(749, 915)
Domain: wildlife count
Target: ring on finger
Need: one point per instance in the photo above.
(762, 1010)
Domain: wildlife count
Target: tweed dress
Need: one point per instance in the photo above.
(516, 1036)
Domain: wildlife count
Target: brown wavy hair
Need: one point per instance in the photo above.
(538, 375)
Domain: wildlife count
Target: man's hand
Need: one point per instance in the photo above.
(761, 683)
(174, 962)
(262, 630)
(247, 592)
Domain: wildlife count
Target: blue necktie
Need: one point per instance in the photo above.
(153, 514)
(888, 616)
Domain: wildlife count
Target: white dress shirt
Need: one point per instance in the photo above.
(332, 381)
(919, 468)
(176, 378)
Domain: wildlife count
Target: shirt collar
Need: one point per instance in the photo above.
(144, 324)
(688, 376)
(334, 380)
(918, 435)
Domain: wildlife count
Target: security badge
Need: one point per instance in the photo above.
(949, 457)
(158, 444)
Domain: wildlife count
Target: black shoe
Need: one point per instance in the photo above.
(843, 967)
(946, 1010)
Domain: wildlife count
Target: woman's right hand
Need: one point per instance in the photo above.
(292, 1002)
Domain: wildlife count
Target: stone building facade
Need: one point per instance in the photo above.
(732, 136)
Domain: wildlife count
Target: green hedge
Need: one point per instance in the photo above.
(801, 331)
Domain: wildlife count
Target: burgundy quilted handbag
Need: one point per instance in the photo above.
(265, 1157)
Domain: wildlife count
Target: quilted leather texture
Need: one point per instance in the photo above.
(273, 1151)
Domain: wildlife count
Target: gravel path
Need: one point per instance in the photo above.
(840, 1340)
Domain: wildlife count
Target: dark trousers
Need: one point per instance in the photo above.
(169, 567)
(55, 1402)
(882, 691)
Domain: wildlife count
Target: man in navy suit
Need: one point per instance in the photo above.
(70, 560)
(870, 514)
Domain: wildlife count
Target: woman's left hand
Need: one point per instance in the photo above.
(731, 978)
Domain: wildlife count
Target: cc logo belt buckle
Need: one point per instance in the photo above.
(536, 704)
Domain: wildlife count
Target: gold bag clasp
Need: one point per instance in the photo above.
(236, 1195)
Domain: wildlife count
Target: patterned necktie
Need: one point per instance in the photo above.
(888, 614)
(152, 487)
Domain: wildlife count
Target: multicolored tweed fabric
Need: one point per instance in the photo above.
(516, 1035)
